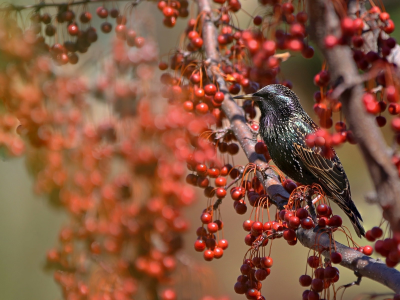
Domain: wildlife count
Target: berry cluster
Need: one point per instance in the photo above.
(382, 91)
(172, 10)
(387, 247)
(76, 162)
(51, 30)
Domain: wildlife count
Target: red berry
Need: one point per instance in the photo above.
(197, 42)
(199, 245)
(201, 231)
(221, 181)
(322, 222)
(347, 26)
(335, 221)
(206, 218)
(208, 255)
(305, 280)
(247, 225)
(307, 223)
(241, 208)
(201, 169)
(312, 295)
(202, 108)
(302, 17)
(287, 8)
(384, 16)
(368, 250)
(294, 222)
(317, 285)
(210, 89)
(223, 244)
(240, 288)
(267, 262)
(289, 235)
(168, 11)
(257, 228)
(261, 274)
(392, 94)
(102, 12)
(307, 52)
(376, 232)
(85, 17)
(73, 29)
(331, 41)
(313, 261)
(267, 226)
(219, 97)
(380, 121)
(218, 252)
(188, 106)
(322, 209)
(336, 257)
(396, 124)
(168, 294)
(302, 213)
(289, 185)
(389, 27)
(202, 182)
(330, 272)
(221, 193)
(369, 236)
(257, 20)
(212, 227)
(106, 27)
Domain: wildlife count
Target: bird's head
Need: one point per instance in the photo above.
(276, 99)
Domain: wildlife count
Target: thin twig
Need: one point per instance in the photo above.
(12, 7)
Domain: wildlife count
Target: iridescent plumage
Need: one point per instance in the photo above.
(284, 126)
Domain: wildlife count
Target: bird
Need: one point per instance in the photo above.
(284, 126)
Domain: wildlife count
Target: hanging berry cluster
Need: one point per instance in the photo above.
(67, 32)
(119, 177)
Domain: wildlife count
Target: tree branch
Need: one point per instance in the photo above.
(324, 21)
(235, 114)
(352, 259)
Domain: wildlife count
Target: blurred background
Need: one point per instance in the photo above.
(29, 226)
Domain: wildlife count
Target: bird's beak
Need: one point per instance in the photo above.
(248, 97)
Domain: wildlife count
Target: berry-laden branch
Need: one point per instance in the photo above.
(235, 114)
(324, 22)
(351, 259)
(372, 31)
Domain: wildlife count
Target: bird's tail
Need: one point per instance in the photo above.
(352, 212)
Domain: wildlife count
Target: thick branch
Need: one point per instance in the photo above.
(351, 259)
(354, 260)
(324, 21)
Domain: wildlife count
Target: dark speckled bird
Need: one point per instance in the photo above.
(284, 126)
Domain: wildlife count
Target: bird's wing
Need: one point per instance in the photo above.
(329, 171)
(333, 179)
